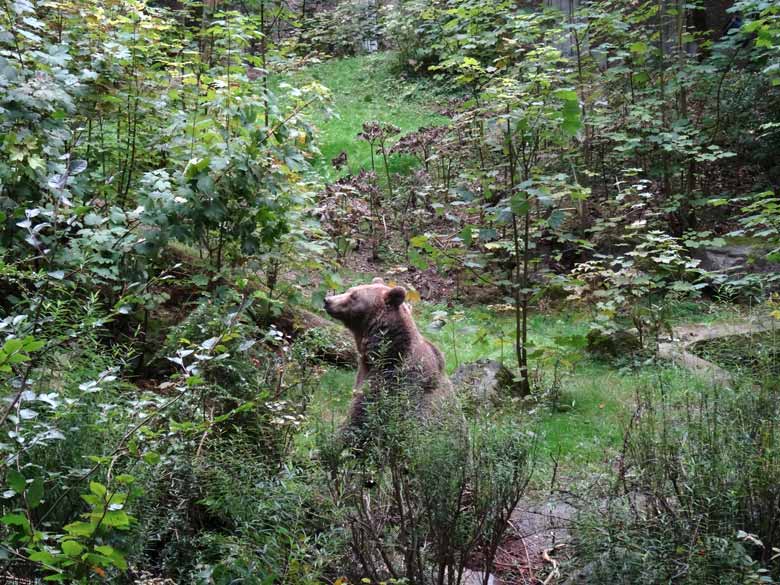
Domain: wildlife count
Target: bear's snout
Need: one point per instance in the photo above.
(330, 304)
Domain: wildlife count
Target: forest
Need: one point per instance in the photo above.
(422, 292)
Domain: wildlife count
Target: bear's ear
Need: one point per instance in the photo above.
(378, 280)
(396, 296)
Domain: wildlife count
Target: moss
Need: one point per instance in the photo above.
(605, 345)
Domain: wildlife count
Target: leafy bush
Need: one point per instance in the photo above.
(420, 497)
(68, 474)
(227, 515)
(347, 29)
(637, 289)
(698, 496)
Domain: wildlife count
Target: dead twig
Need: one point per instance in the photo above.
(554, 573)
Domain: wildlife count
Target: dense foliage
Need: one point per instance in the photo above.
(167, 219)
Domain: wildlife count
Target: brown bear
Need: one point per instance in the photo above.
(391, 350)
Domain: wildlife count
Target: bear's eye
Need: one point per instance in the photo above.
(353, 295)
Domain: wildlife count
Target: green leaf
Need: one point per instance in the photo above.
(200, 280)
(16, 520)
(116, 557)
(466, 235)
(418, 241)
(151, 457)
(42, 556)
(80, 529)
(114, 518)
(31, 344)
(520, 204)
(97, 488)
(571, 117)
(556, 218)
(35, 493)
(417, 260)
(92, 219)
(567, 95)
(16, 481)
(13, 345)
(72, 548)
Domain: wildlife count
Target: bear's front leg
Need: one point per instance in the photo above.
(352, 430)
(362, 374)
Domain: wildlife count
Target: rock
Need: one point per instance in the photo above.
(605, 344)
(736, 260)
(727, 259)
(484, 381)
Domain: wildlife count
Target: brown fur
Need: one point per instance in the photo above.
(391, 349)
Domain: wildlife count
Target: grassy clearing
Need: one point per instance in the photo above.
(597, 398)
(366, 88)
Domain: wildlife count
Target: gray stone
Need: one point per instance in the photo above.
(484, 382)
(677, 349)
(726, 259)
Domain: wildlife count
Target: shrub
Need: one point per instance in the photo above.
(347, 29)
(421, 497)
(227, 516)
(698, 491)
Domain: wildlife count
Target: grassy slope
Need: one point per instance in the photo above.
(365, 88)
(599, 396)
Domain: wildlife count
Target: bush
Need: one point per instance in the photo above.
(227, 516)
(348, 29)
(422, 496)
(225, 502)
(698, 491)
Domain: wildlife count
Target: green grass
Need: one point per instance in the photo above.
(598, 397)
(366, 88)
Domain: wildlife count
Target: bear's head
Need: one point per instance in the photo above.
(361, 305)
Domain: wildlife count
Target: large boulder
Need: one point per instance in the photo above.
(485, 382)
(737, 259)
(726, 259)
(611, 344)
